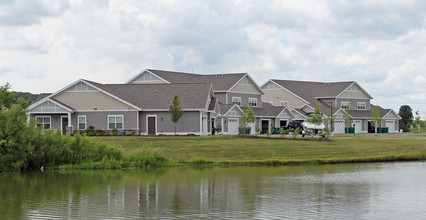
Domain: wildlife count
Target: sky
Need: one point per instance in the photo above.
(381, 44)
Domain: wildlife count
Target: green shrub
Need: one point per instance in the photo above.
(114, 132)
(98, 132)
(145, 157)
(129, 133)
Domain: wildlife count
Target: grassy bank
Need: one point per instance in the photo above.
(231, 150)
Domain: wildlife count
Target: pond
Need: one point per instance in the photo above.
(350, 191)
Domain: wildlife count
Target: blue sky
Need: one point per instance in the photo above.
(46, 45)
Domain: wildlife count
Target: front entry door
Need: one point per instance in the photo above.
(64, 125)
(151, 126)
(265, 126)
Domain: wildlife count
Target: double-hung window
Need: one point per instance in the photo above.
(361, 105)
(43, 122)
(82, 122)
(284, 103)
(115, 122)
(345, 105)
(236, 100)
(252, 102)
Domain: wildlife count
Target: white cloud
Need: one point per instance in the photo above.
(381, 44)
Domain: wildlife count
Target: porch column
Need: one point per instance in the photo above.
(69, 120)
(223, 126)
(28, 118)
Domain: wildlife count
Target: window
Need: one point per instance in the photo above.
(236, 100)
(82, 122)
(43, 122)
(345, 105)
(115, 122)
(284, 103)
(252, 102)
(361, 105)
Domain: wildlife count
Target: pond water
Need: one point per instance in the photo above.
(350, 191)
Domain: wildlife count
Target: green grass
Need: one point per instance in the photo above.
(416, 130)
(230, 150)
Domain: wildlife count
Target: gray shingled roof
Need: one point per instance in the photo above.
(159, 96)
(41, 96)
(220, 82)
(268, 110)
(309, 90)
(224, 108)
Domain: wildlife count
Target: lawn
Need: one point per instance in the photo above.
(234, 149)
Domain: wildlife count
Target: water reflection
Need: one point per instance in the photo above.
(320, 192)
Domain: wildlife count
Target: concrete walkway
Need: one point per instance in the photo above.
(404, 134)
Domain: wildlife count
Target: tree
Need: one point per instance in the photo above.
(6, 97)
(348, 117)
(375, 117)
(417, 121)
(175, 110)
(331, 117)
(406, 114)
(316, 117)
(249, 116)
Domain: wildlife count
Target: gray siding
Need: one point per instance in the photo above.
(188, 123)
(244, 98)
(55, 120)
(99, 120)
(221, 97)
(353, 103)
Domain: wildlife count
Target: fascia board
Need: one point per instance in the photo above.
(358, 86)
(290, 92)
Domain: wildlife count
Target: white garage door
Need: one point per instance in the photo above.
(391, 126)
(358, 126)
(339, 126)
(233, 124)
(252, 128)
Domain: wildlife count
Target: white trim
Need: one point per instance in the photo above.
(226, 101)
(399, 117)
(64, 116)
(156, 123)
(241, 100)
(49, 100)
(246, 75)
(123, 127)
(357, 105)
(113, 96)
(247, 93)
(253, 99)
(108, 110)
(84, 81)
(288, 91)
(313, 109)
(85, 122)
(363, 90)
(232, 108)
(143, 71)
(304, 116)
(44, 116)
(284, 110)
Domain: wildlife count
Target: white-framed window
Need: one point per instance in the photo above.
(236, 100)
(345, 105)
(361, 105)
(43, 122)
(115, 121)
(252, 102)
(284, 103)
(82, 122)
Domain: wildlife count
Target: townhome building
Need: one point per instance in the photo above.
(212, 104)
(337, 99)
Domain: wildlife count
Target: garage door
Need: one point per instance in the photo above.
(339, 126)
(391, 126)
(233, 124)
(358, 126)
